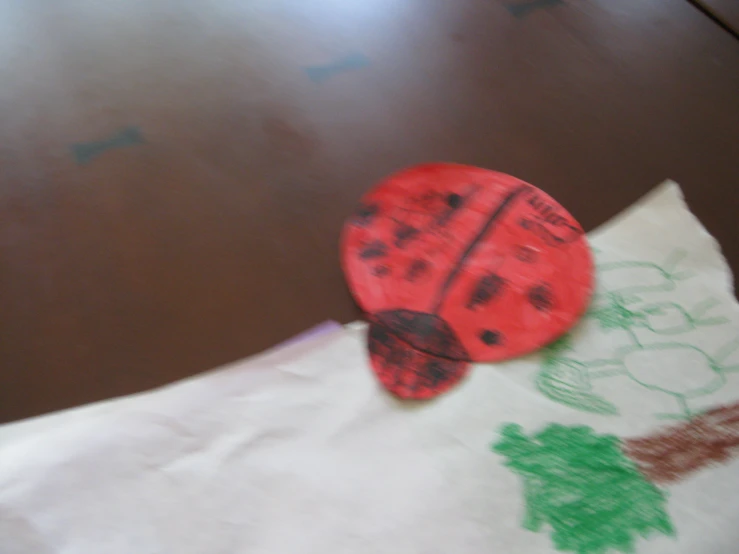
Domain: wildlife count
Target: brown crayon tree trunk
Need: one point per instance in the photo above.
(671, 455)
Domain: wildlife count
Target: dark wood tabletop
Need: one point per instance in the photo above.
(724, 12)
(175, 173)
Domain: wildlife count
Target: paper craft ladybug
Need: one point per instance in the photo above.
(455, 264)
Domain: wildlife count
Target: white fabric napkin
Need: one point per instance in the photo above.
(301, 451)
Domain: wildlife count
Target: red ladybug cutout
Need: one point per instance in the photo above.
(457, 263)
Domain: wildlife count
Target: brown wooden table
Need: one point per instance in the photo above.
(126, 268)
(724, 12)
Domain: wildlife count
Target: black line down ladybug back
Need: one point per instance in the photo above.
(455, 264)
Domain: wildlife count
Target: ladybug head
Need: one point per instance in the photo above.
(423, 331)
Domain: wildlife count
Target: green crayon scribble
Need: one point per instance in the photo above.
(568, 381)
(580, 484)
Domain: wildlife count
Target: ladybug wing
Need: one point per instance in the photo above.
(538, 286)
(410, 230)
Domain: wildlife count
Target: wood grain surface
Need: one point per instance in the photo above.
(261, 123)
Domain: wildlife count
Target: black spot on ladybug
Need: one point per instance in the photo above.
(487, 288)
(375, 249)
(404, 234)
(526, 254)
(365, 214)
(436, 372)
(454, 200)
(541, 297)
(416, 269)
(381, 271)
(491, 338)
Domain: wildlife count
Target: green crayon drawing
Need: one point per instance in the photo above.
(582, 486)
(662, 318)
(568, 380)
(633, 278)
